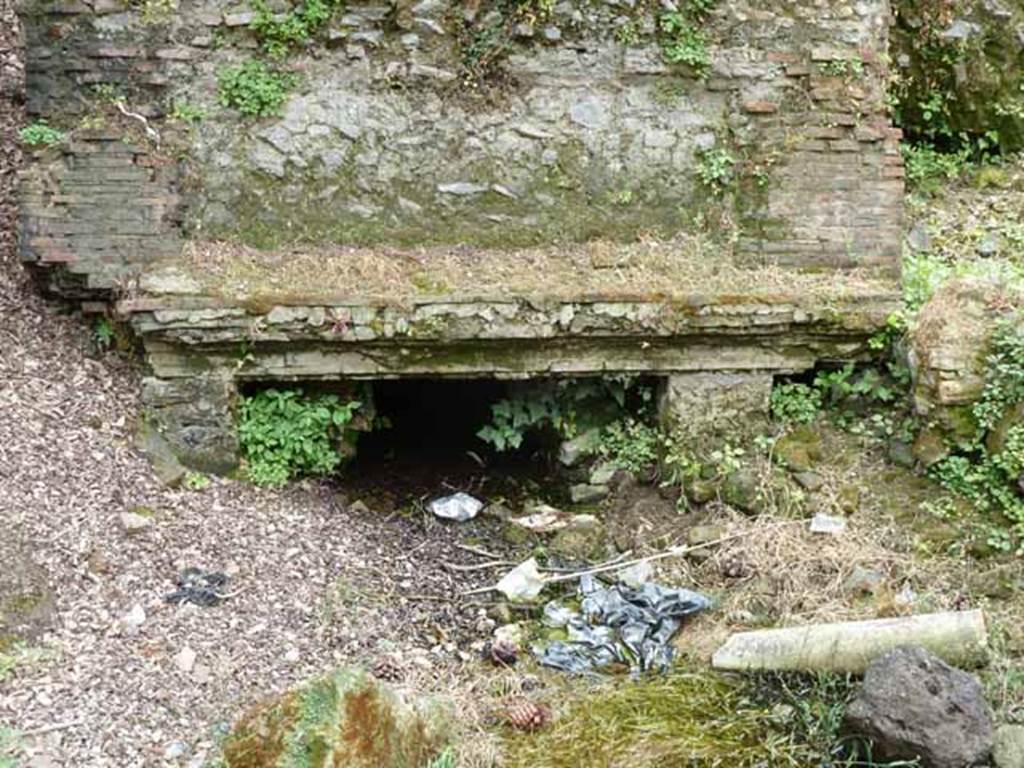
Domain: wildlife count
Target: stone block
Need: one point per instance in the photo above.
(711, 405)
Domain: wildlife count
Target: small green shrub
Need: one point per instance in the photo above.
(104, 333)
(631, 444)
(797, 403)
(1004, 375)
(682, 42)
(279, 33)
(988, 476)
(253, 88)
(928, 169)
(39, 134)
(286, 433)
(185, 112)
(715, 170)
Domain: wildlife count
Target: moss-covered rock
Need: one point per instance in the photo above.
(27, 608)
(347, 719)
(799, 449)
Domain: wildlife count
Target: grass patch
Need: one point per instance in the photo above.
(692, 717)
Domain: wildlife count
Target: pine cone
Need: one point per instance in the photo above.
(502, 653)
(388, 670)
(525, 715)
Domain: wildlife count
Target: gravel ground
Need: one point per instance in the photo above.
(314, 582)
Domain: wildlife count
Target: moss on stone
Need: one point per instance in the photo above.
(343, 719)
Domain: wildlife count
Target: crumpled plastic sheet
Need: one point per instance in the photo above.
(631, 626)
(197, 586)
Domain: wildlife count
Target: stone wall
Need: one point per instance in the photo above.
(467, 188)
(12, 98)
(579, 131)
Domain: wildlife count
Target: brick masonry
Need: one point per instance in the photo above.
(382, 142)
(582, 133)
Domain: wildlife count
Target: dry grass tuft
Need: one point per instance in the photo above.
(653, 270)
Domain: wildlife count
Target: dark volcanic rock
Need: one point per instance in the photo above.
(913, 705)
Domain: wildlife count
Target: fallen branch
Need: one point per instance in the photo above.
(677, 551)
(959, 638)
(49, 729)
(477, 551)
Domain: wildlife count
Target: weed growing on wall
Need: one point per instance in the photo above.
(287, 433)
(715, 170)
(185, 112)
(486, 31)
(278, 33)
(39, 134)
(682, 37)
(253, 88)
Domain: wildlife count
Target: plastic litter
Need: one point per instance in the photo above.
(557, 615)
(618, 624)
(459, 507)
(197, 586)
(523, 583)
(830, 524)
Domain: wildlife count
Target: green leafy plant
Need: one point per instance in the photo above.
(795, 403)
(683, 42)
(185, 112)
(286, 433)
(39, 134)
(631, 444)
(843, 67)
(715, 170)
(253, 88)
(279, 33)
(986, 471)
(1004, 375)
(929, 169)
(567, 407)
(105, 333)
(196, 481)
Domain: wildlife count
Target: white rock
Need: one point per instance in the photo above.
(175, 750)
(185, 660)
(133, 522)
(292, 656)
(134, 619)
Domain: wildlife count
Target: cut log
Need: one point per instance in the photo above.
(958, 638)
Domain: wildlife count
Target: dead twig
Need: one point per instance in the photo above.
(676, 551)
(477, 551)
(477, 567)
